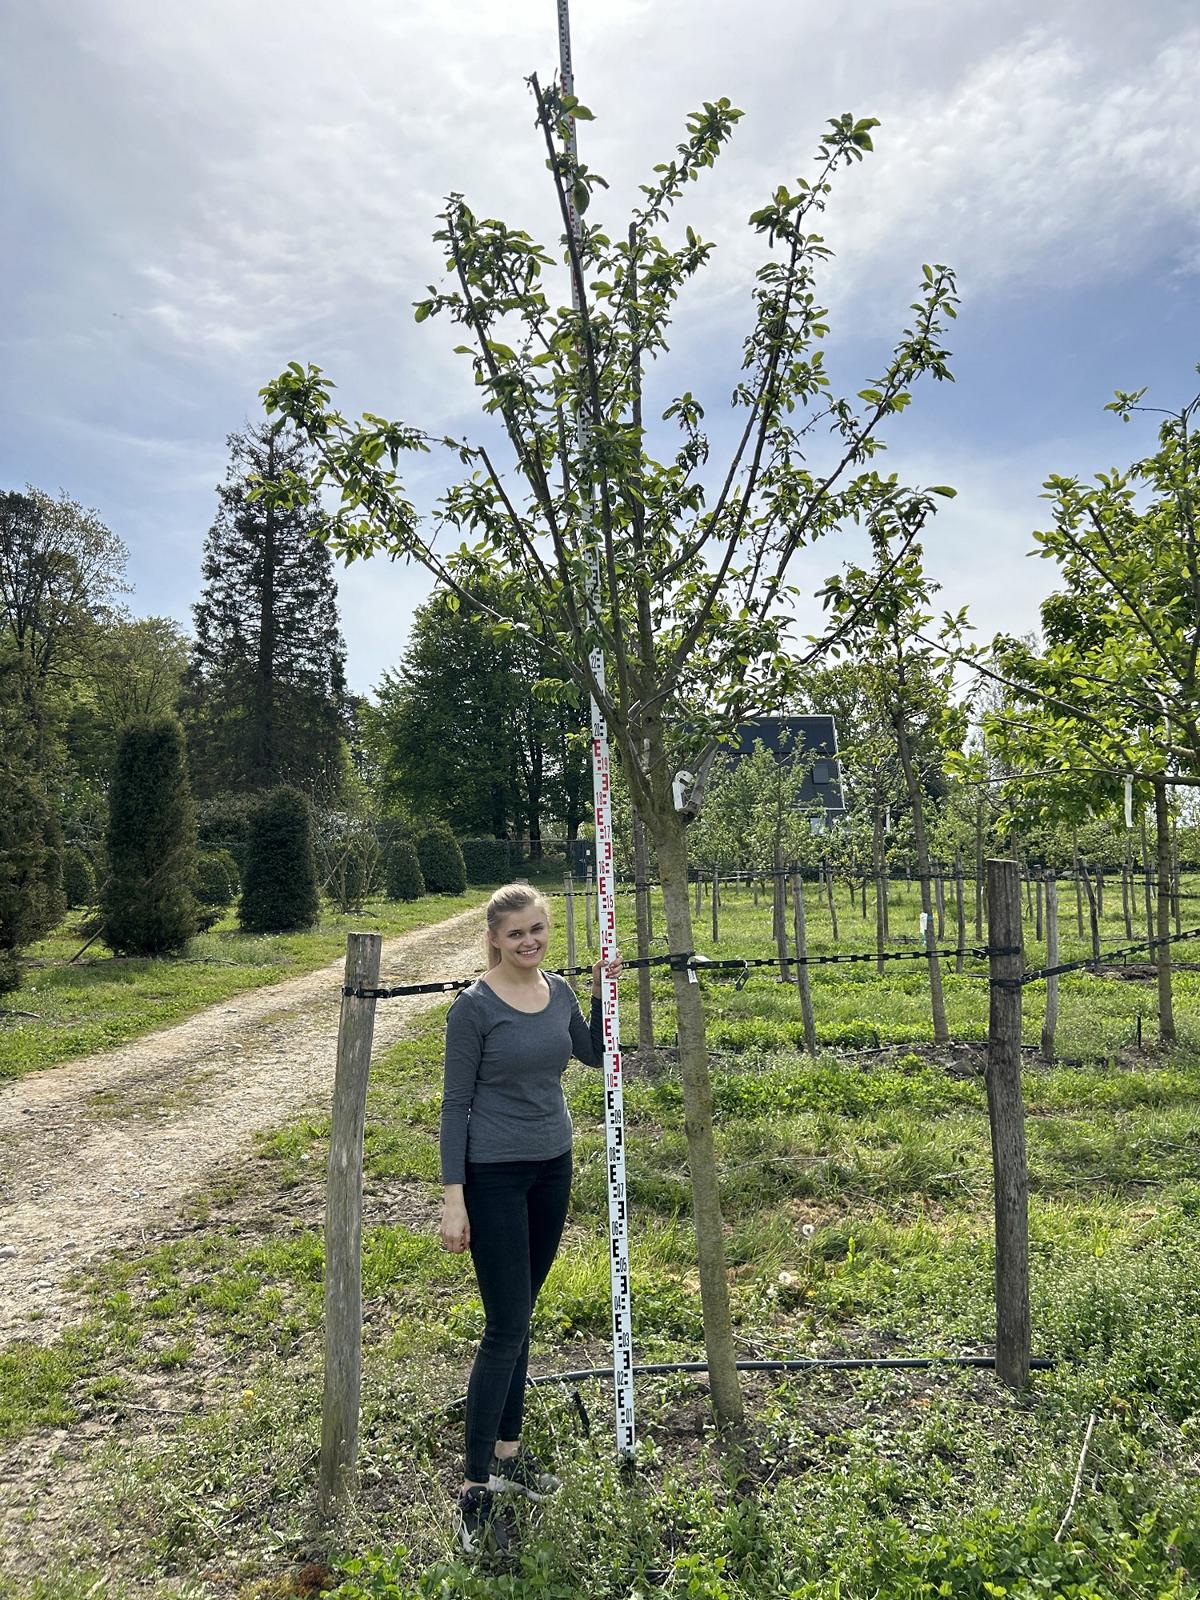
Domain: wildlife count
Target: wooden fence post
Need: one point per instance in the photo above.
(1006, 1113)
(569, 891)
(828, 874)
(343, 1229)
(802, 980)
(939, 902)
(1051, 1019)
(716, 903)
(960, 916)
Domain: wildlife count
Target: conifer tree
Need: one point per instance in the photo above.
(265, 693)
(148, 905)
(31, 897)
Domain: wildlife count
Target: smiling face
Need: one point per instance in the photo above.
(522, 937)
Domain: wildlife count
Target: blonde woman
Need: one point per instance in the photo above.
(506, 1175)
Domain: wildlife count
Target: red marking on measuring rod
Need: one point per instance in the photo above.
(614, 1105)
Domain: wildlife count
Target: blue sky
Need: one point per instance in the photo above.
(194, 196)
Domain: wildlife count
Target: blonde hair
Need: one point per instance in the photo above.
(512, 897)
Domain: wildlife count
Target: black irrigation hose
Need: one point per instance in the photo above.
(796, 1364)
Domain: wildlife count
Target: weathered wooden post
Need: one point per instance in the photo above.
(802, 981)
(960, 916)
(343, 1229)
(569, 891)
(1051, 1019)
(1040, 922)
(1006, 1113)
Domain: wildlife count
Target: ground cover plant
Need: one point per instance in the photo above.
(856, 1190)
(65, 1009)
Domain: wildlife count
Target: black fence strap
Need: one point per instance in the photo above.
(682, 961)
(1105, 956)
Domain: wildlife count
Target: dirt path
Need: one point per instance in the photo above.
(95, 1152)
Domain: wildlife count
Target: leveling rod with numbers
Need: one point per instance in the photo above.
(614, 1107)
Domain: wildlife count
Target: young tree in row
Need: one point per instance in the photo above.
(911, 680)
(265, 690)
(696, 562)
(1115, 690)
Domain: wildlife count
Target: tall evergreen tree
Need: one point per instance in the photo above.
(265, 694)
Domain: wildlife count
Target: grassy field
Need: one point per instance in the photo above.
(857, 1199)
(104, 1000)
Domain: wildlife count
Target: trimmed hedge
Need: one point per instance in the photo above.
(405, 880)
(279, 886)
(487, 860)
(217, 880)
(442, 864)
(79, 879)
(147, 901)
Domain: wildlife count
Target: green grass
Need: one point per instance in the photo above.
(104, 1000)
(857, 1198)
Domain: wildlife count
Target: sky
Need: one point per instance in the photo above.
(194, 196)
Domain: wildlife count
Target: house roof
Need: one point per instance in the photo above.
(812, 740)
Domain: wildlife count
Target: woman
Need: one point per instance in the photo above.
(506, 1174)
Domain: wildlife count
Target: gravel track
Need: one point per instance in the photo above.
(96, 1152)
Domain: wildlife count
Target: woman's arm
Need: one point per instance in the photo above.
(464, 1049)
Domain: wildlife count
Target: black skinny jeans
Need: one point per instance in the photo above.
(516, 1210)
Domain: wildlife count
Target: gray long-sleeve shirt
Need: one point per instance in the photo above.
(502, 1099)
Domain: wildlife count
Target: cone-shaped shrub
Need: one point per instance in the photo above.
(279, 886)
(147, 903)
(31, 897)
(79, 879)
(404, 877)
(442, 864)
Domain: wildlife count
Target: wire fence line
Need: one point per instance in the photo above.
(697, 962)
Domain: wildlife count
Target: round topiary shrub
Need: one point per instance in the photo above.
(442, 864)
(147, 901)
(279, 886)
(405, 880)
(79, 879)
(487, 860)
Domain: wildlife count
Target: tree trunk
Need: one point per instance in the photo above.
(881, 889)
(979, 872)
(1050, 1023)
(941, 1033)
(641, 874)
(1162, 955)
(263, 773)
(671, 848)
